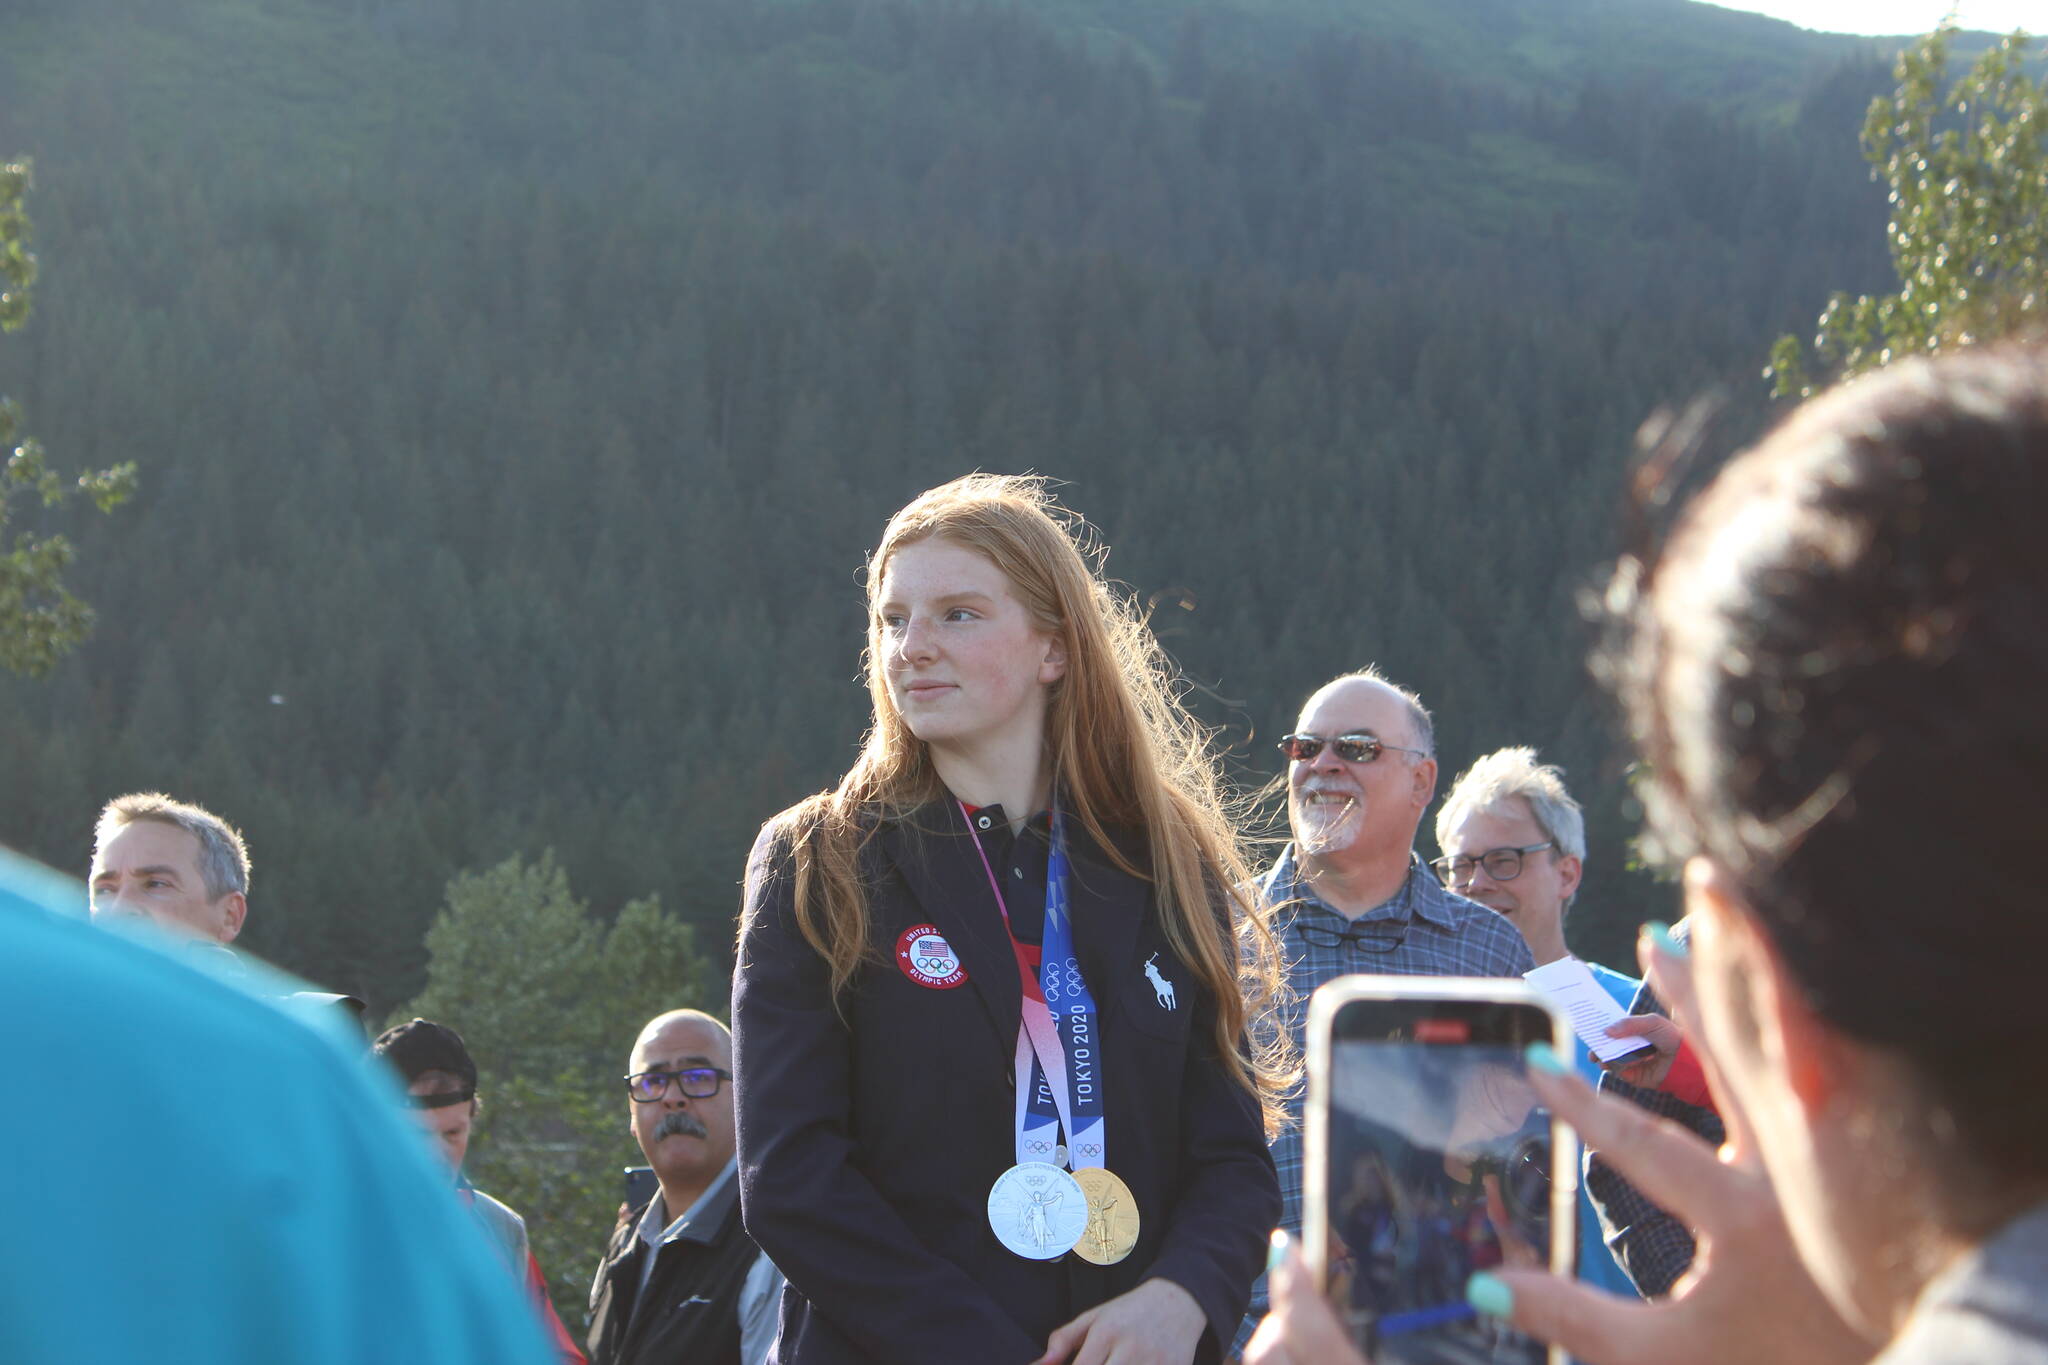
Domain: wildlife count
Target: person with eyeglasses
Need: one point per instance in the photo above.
(681, 1280)
(1513, 839)
(998, 1102)
(1349, 893)
(1831, 666)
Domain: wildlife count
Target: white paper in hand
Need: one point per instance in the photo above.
(1590, 1009)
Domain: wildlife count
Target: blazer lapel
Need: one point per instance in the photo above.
(936, 855)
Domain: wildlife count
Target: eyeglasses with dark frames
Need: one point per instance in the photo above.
(1352, 748)
(1501, 864)
(1378, 936)
(697, 1083)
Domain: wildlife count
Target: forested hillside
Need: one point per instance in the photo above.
(517, 384)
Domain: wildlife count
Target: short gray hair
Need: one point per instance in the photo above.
(223, 856)
(1418, 714)
(1505, 774)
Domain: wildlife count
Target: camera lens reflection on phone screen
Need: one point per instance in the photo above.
(1439, 1167)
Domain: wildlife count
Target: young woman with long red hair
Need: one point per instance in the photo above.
(996, 1101)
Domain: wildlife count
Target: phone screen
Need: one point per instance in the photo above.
(1437, 1164)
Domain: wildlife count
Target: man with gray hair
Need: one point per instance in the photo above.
(186, 871)
(1514, 840)
(177, 865)
(1349, 894)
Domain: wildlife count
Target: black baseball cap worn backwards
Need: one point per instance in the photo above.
(421, 1046)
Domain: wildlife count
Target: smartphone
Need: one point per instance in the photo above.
(641, 1185)
(1427, 1157)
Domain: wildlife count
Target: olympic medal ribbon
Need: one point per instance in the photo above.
(1073, 1010)
(1041, 1063)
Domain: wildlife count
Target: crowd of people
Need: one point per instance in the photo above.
(1015, 1021)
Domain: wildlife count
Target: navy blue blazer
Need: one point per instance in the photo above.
(867, 1145)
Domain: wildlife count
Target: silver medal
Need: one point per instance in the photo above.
(1037, 1210)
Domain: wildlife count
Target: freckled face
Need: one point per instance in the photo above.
(964, 662)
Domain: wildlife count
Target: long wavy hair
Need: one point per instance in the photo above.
(1125, 752)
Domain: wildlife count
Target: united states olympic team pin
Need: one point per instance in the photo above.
(923, 955)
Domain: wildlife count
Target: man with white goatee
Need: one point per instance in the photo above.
(1349, 893)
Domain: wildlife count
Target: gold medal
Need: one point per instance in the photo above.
(1112, 1217)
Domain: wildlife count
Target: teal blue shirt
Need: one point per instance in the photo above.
(1596, 1263)
(190, 1172)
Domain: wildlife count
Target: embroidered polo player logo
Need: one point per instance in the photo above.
(1160, 985)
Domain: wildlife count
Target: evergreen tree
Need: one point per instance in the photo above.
(549, 1000)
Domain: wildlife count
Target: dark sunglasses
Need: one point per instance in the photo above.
(1356, 748)
(698, 1083)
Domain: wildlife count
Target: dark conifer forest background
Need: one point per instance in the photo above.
(517, 384)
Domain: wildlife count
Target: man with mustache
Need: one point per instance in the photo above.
(681, 1280)
(1349, 894)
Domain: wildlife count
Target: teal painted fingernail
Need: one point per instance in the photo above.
(1278, 1251)
(1659, 934)
(1543, 1057)
(1488, 1294)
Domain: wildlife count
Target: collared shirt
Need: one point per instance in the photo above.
(1436, 933)
(1424, 930)
(761, 1291)
(1019, 863)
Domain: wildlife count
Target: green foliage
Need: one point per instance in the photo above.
(549, 1000)
(17, 262)
(40, 619)
(523, 383)
(1968, 171)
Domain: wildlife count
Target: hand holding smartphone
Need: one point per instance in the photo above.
(1429, 1158)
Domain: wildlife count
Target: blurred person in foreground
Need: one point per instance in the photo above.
(252, 1198)
(687, 1285)
(440, 1081)
(1513, 839)
(1834, 669)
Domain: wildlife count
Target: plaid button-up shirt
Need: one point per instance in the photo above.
(1649, 1243)
(1422, 930)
